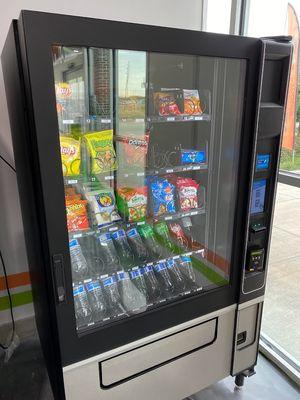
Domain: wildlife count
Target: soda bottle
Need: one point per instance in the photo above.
(114, 304)
(133, 300)
(164, 279)
(83, 312)
(162, 232)
(96, 299)
(187, 267)
(176, 275)
(78, 261)
(153, 288)
(147, 234)
(107, 254)
(123, 248)
(137, 245)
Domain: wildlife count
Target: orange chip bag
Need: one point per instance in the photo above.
(77, 218)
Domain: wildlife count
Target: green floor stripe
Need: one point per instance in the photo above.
(18, 299)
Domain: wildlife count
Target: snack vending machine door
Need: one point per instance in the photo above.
(149, 154)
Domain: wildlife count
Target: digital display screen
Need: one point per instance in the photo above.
(262, 162)
(258, 196)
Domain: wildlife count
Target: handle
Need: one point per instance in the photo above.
(59, 276)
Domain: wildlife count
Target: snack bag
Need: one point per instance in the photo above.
(163, 196)
(70, 190)
(103, 206)
(165, 103)
(101, 155)
(134, 149)
(192, 105)
(77, 218)
(187, 190)
(132, 203)
(192, 156)
(70, 155)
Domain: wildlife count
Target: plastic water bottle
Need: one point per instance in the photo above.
(188, 270)
(96, 300)
(153, 288)
(133, 300)
(115, 307)
(147, 234)
(123, 249)
(78, 261)
(137, 277)
(137, 245)
(83, 311)
(107, 254)
(176, 275)
(164, 278)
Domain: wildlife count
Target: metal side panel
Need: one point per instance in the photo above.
(190, 371)
(247, 337)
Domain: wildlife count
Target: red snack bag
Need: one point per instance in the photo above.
(187, 190)
(77, 218)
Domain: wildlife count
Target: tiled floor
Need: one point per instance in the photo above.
(281, 320)
(24, 377)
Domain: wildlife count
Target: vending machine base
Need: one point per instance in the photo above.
(172, 364)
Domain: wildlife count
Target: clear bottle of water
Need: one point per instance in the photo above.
(164, 279)
(123, 249)
(78, 261)
(83, 311)
(139, 249)
(107, 255)
(115, 307)
(137, 277)
(188, 270)
(96, 300)
(153, 287)
(176, 275)
(133, 300)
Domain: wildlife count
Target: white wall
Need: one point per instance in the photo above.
(172, 13)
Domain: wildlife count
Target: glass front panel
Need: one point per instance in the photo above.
(149, 146)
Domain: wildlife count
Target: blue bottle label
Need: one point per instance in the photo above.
(132, 233)
(136, 273)
(160, 267)
(105, 237)
(122, 276)
(94, 285)
(109, 281)
(148, 269)
(77, 290)
(73, 243)
(118, 234)
(186, 259)
(170, 263)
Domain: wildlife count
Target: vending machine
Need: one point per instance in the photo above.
(147, 160)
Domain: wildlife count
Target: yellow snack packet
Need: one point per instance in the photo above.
(70, 155)
(101, 155)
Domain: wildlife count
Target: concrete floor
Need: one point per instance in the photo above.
(24, 377)
(281, 321)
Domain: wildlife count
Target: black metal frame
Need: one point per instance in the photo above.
(41, 182)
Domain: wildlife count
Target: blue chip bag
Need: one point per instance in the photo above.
(163, 196)
(192, 156)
